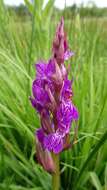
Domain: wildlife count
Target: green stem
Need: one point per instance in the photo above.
(30, 60)
(56, 175)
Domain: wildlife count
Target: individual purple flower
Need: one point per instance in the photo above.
(75, 113)
(66, 113)
(68, 54)
(66, 92)
(44, 72)
(39, 93)
(53, 142)
(41, 69)
(36, 105)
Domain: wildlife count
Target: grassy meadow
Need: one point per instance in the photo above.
(22, 43)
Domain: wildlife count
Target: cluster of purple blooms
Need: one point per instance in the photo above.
(52, 98)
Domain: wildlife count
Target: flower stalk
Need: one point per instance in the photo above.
(56, 174)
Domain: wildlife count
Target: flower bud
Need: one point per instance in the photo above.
(46, 122)
(57, 77)
(44, 158)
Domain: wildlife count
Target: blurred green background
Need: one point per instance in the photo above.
(26, 35)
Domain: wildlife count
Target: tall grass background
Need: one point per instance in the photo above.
(84, 167)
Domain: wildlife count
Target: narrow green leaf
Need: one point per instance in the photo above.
(29, 5)
(105, 177)
(90, 157)
(95, 181)
(47, 11)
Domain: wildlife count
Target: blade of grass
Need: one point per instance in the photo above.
(90, 157)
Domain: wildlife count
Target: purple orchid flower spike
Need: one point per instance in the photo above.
(52, 99)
